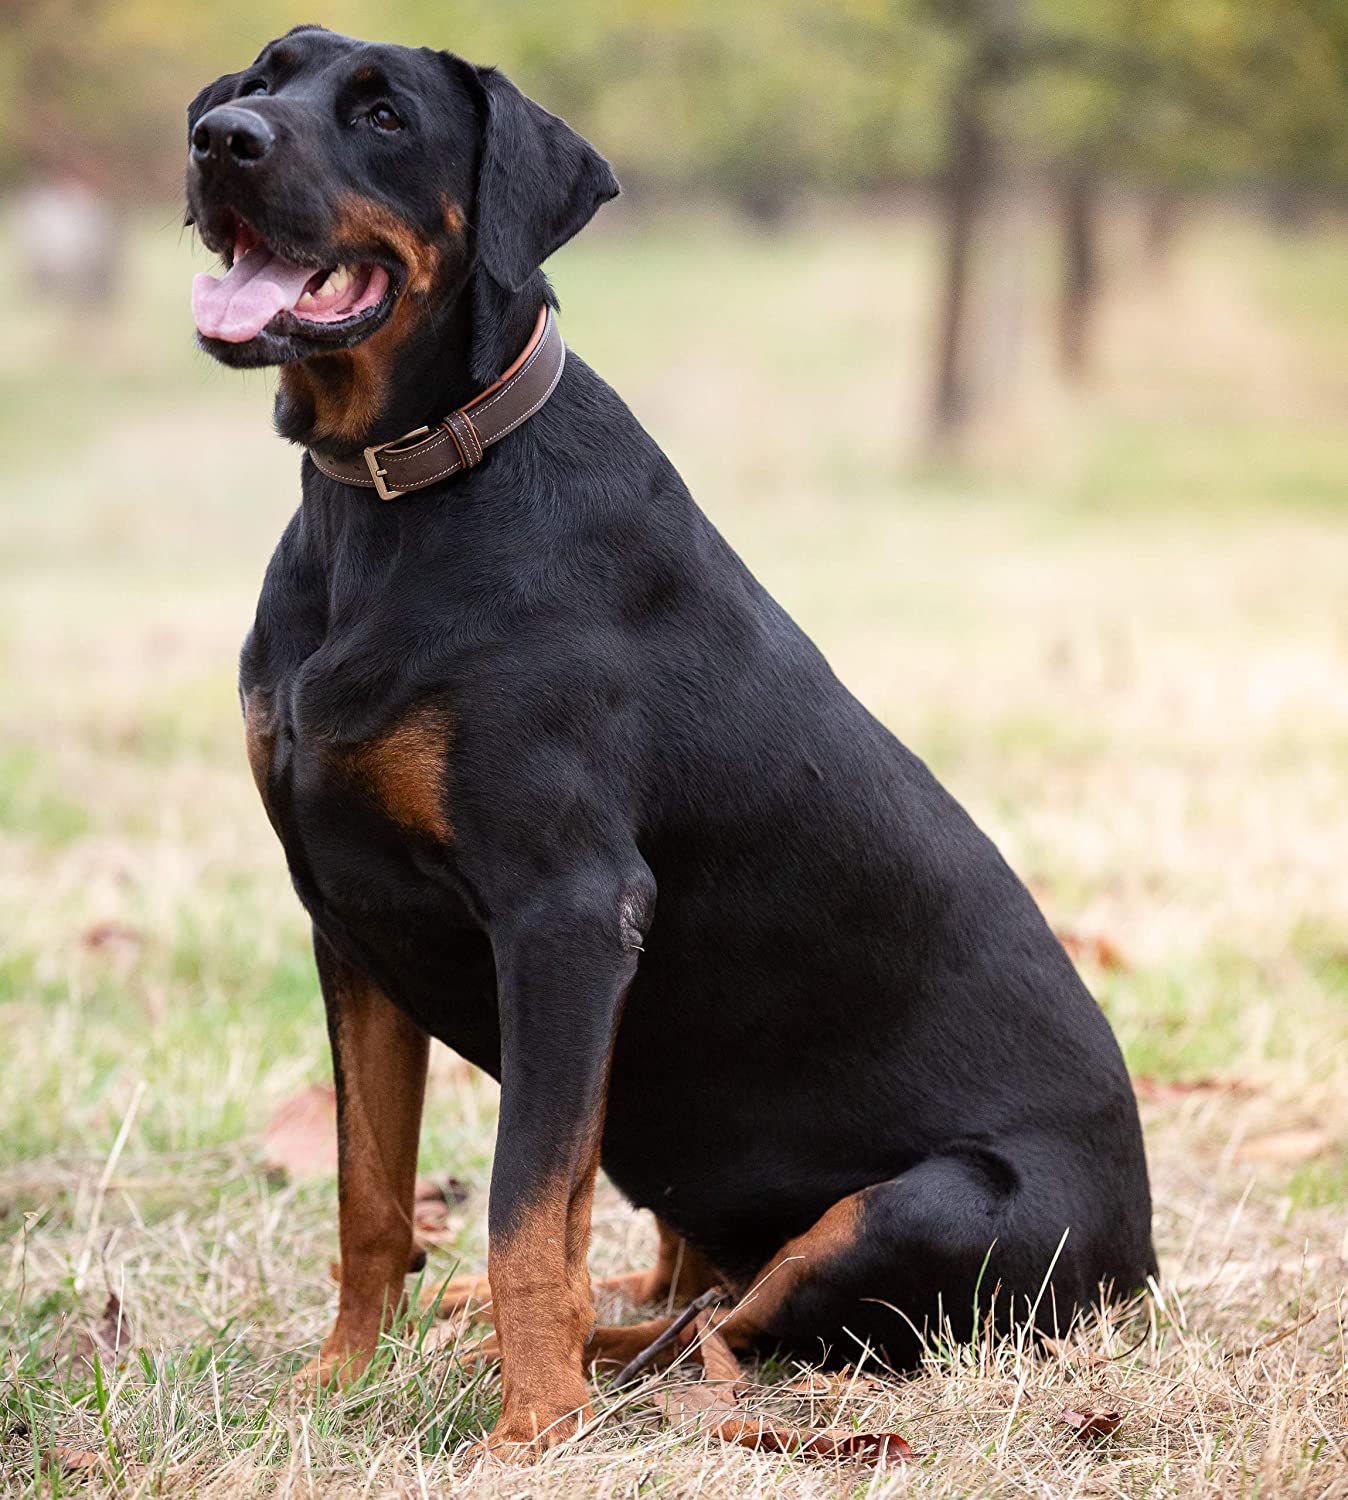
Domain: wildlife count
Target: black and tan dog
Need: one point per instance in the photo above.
(561, 785)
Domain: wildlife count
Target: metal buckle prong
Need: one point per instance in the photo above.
(378, 474)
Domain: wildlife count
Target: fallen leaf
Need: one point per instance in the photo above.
(86, 1460)
(1147, 1087)
(112, 935)
(712, 1405)
(1092, 1422)
(822, 1384)
(1071, 1352)
(1094, 948)
(301, 1137)
(442, 1189)
(432, 1201)
(73, 1460)
(1284, 1146)
(109, 1338)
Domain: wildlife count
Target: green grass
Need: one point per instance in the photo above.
(1118, 634)
(32, 806)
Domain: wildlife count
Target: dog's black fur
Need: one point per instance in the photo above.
(685, 884)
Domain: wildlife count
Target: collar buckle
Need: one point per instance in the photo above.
(381, 475)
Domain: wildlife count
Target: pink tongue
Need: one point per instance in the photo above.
(240, 304)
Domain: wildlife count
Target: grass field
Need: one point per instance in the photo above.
(1127, 653)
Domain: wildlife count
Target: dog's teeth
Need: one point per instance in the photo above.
(333, 285)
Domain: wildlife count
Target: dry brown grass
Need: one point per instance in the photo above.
(1130, 661)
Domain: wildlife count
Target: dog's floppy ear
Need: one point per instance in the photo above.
(538, 185)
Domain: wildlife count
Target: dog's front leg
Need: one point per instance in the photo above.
(379, 1062)
(563, 968)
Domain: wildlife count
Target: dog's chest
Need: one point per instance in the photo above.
(356, 816)
(400, 771)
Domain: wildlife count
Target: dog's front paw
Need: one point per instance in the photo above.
(527, 1430)
(334, 1367)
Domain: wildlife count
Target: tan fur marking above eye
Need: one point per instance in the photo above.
(453, 217)
(404, 771)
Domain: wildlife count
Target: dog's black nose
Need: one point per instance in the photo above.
(227, 131)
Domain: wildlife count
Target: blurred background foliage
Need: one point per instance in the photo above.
(975, 104)
(787, 96)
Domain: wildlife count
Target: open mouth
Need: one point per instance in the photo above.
(292, 301)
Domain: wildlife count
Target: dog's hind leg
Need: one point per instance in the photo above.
(744, 1322)
(955, 1241)
(679, 1274)
(883, 1268)
(459, 1295)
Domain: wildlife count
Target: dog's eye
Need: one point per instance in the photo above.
(257, 86)
(383, 117)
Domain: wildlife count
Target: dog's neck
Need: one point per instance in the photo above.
(424, 363)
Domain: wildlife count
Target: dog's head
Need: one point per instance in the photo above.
(356, 192)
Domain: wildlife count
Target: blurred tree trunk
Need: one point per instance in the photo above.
(1080, 213)
(1290, 207)
(979, 333)
(1161, 226)
(966, 190)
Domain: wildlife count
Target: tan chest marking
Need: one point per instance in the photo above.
(405, 771)
(259, 736)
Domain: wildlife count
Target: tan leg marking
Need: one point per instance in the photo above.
(381, 1059)
(460, 1294)
(741, 1323)
(619, 1344)
(543, 1312)
(679, 1270)
(680, 1273)
(832, 1233)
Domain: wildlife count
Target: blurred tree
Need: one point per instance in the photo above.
(1181, 95)
(1176, 94)
(762, 103)
(978, 160)
(755, 100)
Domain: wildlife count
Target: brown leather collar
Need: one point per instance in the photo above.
(458, 441)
